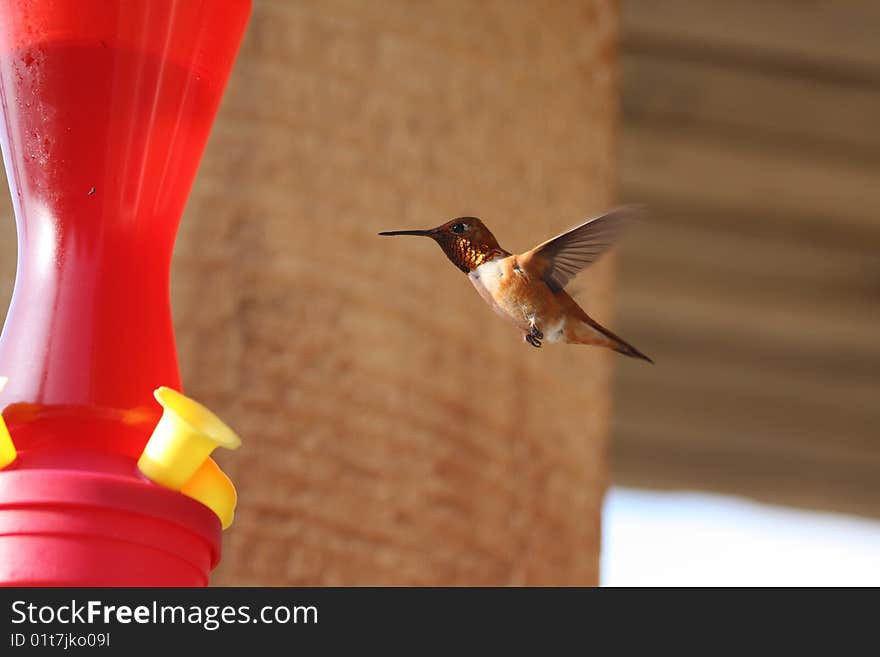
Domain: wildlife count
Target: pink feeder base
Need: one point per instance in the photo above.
(75, 526)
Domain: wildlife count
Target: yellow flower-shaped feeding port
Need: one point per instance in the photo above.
(7, 447)
(177, 454)
(210, 486)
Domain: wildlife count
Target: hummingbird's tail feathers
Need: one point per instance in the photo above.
(596, 334)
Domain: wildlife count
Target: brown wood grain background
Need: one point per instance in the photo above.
(395, 430)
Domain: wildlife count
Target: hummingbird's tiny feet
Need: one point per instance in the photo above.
(532, 340)
(536, 334)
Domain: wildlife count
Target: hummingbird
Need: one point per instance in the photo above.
(528, 289)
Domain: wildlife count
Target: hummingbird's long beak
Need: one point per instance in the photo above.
(422, 233)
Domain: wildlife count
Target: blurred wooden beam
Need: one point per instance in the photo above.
(755, 180)
(815, 36)
(813, 482)
(755, 284)
(819, 118)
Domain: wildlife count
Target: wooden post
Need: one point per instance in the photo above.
(396, 431)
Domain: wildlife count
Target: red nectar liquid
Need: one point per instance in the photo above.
(107, 107)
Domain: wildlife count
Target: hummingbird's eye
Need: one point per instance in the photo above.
(458, 228)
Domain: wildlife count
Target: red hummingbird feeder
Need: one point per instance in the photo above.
(107, 106)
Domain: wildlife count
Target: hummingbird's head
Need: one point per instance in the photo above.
(466, 241)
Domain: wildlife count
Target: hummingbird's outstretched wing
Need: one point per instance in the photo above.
(559, 259)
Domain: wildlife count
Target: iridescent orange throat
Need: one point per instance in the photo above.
(467, 255)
